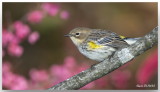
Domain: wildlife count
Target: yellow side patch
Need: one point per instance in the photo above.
(93, 45)
(122, 37)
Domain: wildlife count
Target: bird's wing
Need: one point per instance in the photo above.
(108, 38)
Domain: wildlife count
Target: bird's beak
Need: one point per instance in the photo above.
(67, 35)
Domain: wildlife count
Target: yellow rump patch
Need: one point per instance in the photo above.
(122, 37)
(93, 45)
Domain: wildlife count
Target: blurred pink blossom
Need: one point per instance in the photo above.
(70, 62)
(60, 73)
(8, 78)
(148, 68)
(11, 40)
(71, 68)
(6, 37)
(33, 37)
(6, 66)
(42, 79)
(64, 14)
(51, 9)
(22, 30)
(15, 50)
(14, 82)
(120, 78)
(35, 16)
(102, 82)
(19, 82)
(16, 40)
(38, 75)
(11, 80)
(56, 70)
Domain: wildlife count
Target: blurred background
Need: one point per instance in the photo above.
(36, 53)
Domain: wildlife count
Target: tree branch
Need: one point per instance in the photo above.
(118, 59)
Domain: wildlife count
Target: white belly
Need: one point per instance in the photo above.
(98, 54)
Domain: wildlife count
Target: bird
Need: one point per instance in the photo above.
(98, 44)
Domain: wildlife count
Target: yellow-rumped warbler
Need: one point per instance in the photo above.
(98, 44)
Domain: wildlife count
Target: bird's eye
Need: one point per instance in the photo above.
(77, 34)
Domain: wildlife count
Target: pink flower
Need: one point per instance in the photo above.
(102, 82)
(6, 37)
(16, 40)
(64, 15)
(11, 80)
(35, 16)
(19, 83)
(51, 9)
(7, 79)
(70, 68)
(120, 78)
(15, 50)
(39, 75)
(22, 30)
(56, 70)
(33, 37)
(6, 66)
(41, 79)
(60, 73)
(70, 62)
(148, 68)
